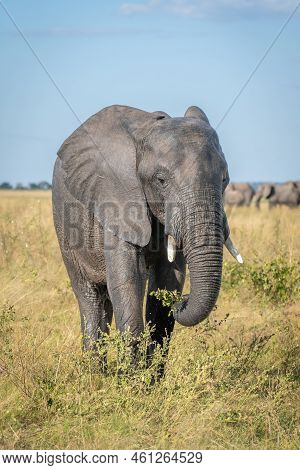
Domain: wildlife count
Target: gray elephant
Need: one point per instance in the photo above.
(238, 194)
(281, 194)
(297, 184)
(130, 189)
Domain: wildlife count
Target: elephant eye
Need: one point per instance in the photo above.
(161, 180)
(225, 180)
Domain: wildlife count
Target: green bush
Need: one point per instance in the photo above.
(234, 275)
(278, 281)
(126, 358)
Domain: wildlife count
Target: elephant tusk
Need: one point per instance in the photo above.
(171, 249)
(233, 251)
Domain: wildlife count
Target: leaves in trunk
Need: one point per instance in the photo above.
(168, 298)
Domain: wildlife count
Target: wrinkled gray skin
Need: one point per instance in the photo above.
(127, 156)
(238, 194)
(282, 194)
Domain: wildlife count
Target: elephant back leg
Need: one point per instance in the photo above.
(95, 312)
(93, 300)
(96, 316)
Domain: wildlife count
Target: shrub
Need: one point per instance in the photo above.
(277, 281)
(233, 275)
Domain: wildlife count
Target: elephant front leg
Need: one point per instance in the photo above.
(126, 280)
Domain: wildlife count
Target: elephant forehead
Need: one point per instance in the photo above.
(178, 137)
(188, 148)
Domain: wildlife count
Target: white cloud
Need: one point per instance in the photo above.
(205, 8)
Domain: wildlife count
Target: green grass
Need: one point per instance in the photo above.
(232, 382)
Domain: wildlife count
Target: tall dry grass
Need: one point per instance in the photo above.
(231, 382)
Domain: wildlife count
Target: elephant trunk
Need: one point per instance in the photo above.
(203, 238)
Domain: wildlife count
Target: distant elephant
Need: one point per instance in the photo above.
(281, 194)
(297, 184)
(125, 182)
(238, 194)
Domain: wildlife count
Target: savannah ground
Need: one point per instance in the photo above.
(231, 383)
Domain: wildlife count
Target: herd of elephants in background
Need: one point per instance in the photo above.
(236, 194)
(243, 194)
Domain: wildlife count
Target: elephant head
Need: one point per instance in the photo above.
(133, 166)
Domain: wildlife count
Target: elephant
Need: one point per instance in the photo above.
(139, 194)
(297, 184)
(238, 194)
(281, 194)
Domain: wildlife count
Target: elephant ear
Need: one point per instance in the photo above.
(195, 112)
(99, 164)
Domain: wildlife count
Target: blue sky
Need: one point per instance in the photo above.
(153, 55)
